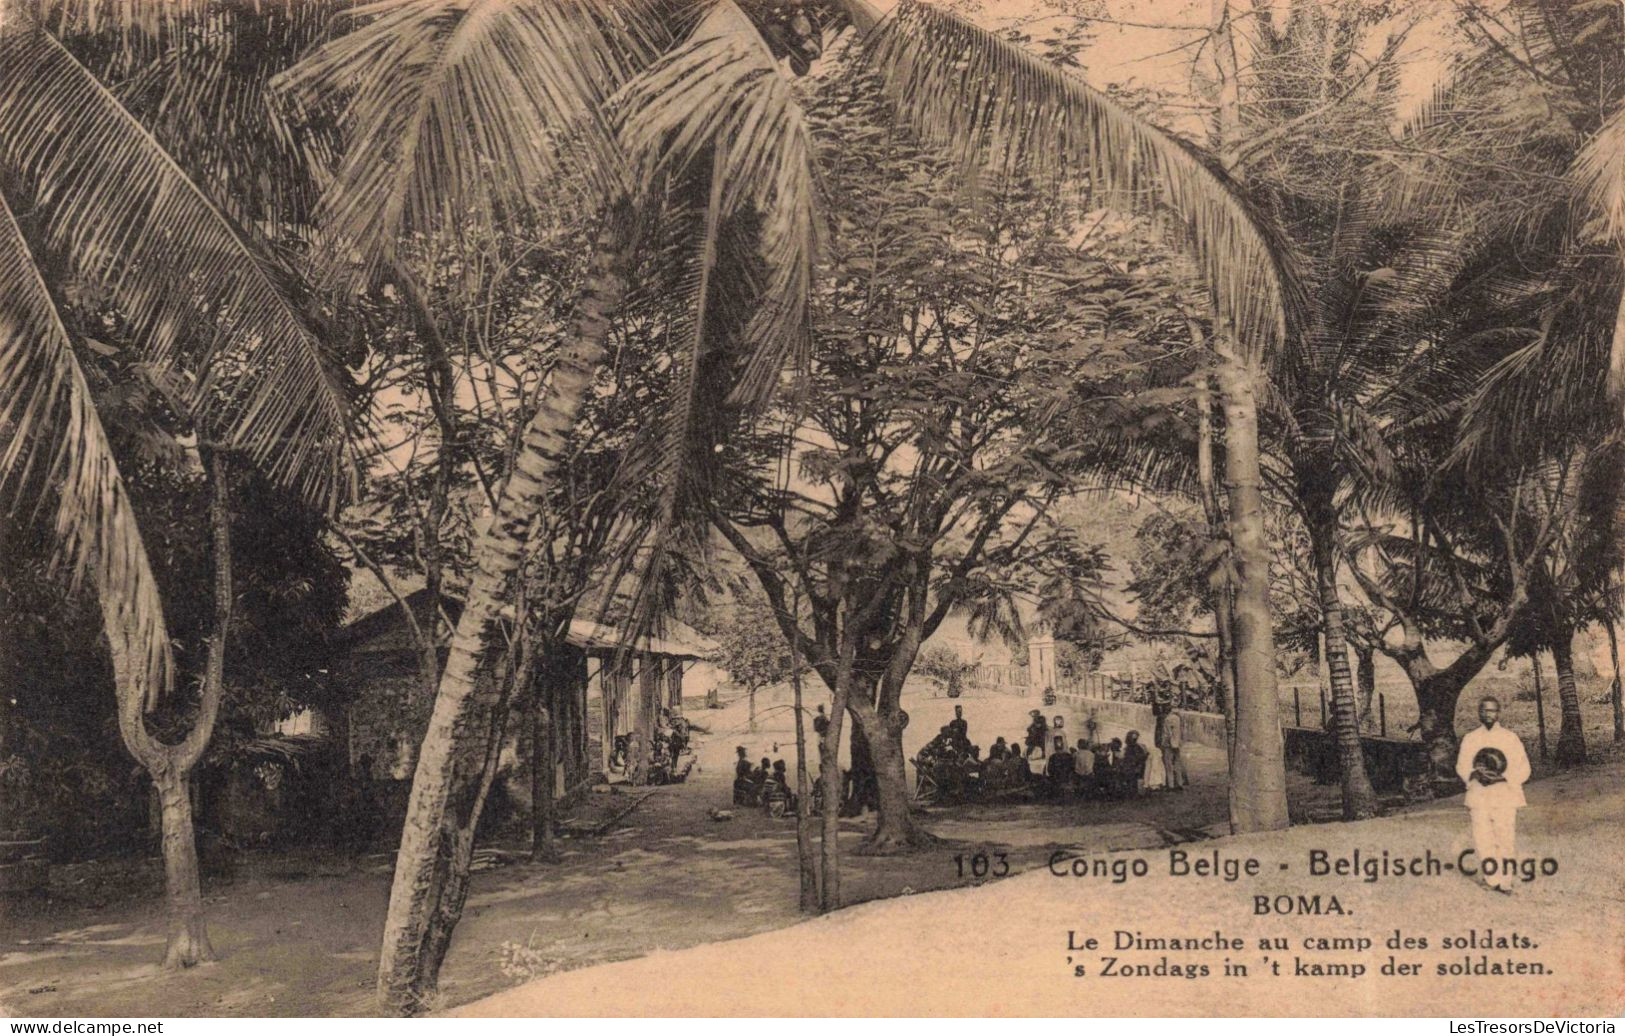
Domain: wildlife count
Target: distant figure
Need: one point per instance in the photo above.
(1083, 763)
(1170, 736)
(1131, 770)
(1037, 734)
(821, 724)
(744, 787)
(1493, 765)
(1060, 770)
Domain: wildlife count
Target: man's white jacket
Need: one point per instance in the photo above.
(1508, 793)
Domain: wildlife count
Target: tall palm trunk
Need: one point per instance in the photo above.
(436, 843)
(1359, 800)
(1258, 766)
(1571, 738)
(1224, 601)
(171, 765)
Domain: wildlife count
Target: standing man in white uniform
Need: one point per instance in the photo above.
(1493, 798)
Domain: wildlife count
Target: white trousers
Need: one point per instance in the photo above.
(1494, 838)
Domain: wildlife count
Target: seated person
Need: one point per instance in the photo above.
(1018, 774)
(1131, 771)
(998, 751)
(995, 774)
(776, 797)
(1083, 763)
(1059, 770)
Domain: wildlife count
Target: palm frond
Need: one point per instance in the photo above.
(965, 87)
(723, 94)
(195, 291)
(55, 444)
(467, 109)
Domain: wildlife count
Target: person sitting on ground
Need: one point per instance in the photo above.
(1059, 770)
(1083, 764)
(1037, 734)
(995, 772)
(1017, 773)
(776, 797)
(1132, 770)
(744, 787)
(998, 751)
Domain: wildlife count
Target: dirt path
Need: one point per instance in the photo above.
(932, 955)
(297, 934)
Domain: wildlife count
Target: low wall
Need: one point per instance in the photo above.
(1202, 728)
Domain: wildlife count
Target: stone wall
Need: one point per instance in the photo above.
(1202, 728)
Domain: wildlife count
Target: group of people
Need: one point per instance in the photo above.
(766, 785)
(1093, 768)
(669, 743)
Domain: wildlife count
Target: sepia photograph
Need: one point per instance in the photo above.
(979, 509)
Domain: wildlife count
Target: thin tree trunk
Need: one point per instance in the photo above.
(543, 774)
(1613, 656)
(170, 765)
(1571, 737)
(424, 892)
(807, 863)
(1359, 800)
(1540, 706)
(1258, 769)
(829, 776)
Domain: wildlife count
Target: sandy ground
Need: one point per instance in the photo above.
(297, 933)
(1007, 947)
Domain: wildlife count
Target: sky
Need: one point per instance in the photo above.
(1153, 43)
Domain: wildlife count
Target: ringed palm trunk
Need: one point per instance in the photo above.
(1223, 604)
(1571, 738)
(1258, 765)
(1359, 800)
(436, 843)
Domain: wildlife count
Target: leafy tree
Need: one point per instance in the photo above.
(754, 652)
(946, 408)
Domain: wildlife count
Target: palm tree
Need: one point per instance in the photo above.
(465, 111)
(94, 210)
